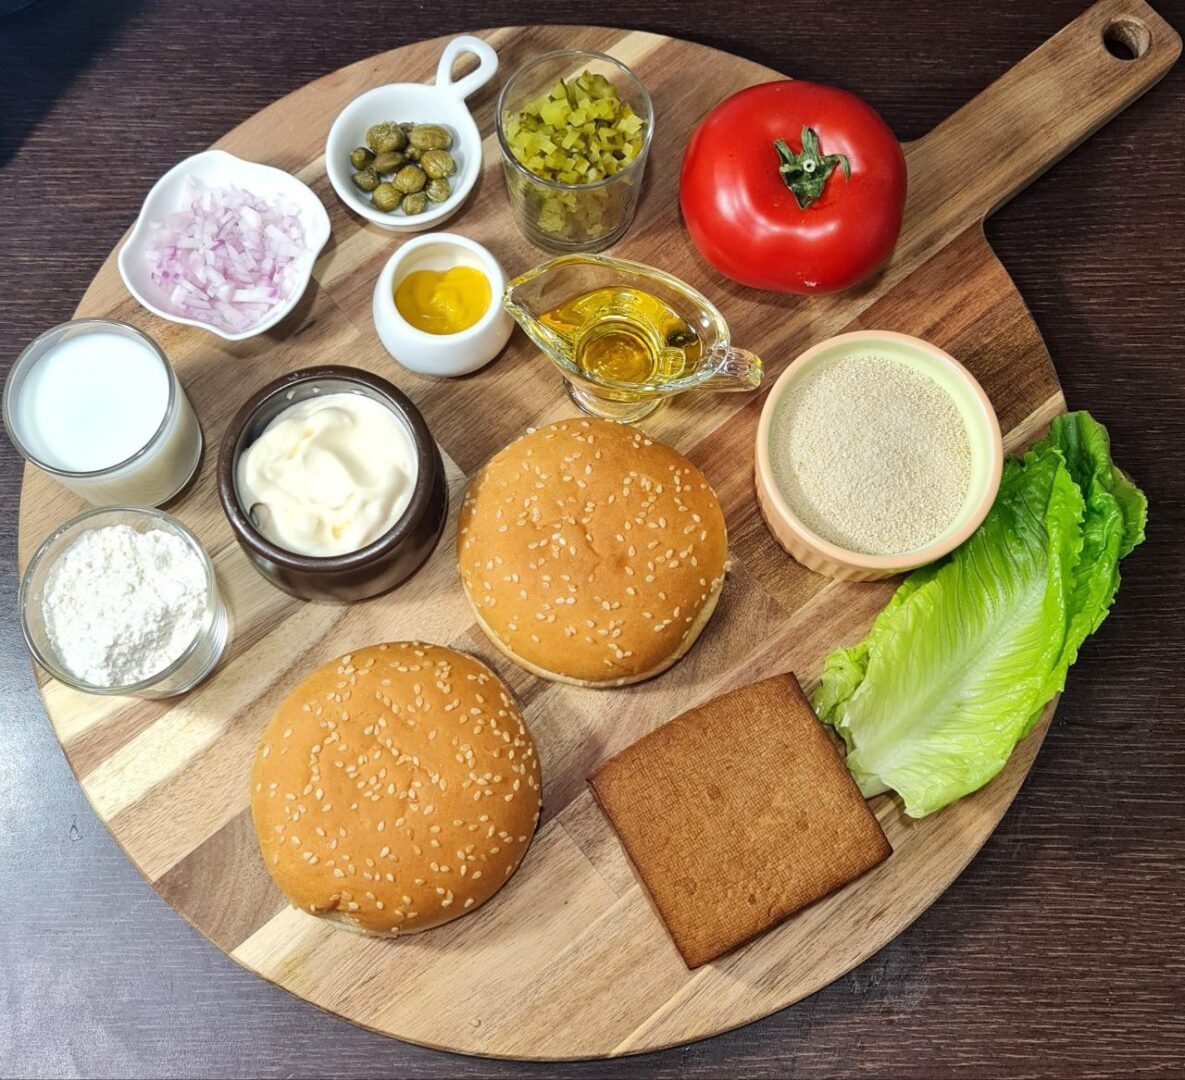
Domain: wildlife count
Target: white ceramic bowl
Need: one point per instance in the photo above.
(441, 354)
(441, 102)
(217, 168)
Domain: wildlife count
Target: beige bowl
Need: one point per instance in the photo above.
(983, 430)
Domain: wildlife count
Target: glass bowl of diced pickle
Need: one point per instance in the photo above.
(575, 128)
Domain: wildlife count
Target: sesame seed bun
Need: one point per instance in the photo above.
(395, 788)
(591, 553)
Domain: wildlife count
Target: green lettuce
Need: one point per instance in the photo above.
(960, 664)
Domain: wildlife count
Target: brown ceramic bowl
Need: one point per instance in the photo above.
(382, 564)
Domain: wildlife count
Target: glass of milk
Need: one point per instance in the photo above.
(97, 404)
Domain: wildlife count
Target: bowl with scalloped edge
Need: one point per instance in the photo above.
(439, 102)
(173, 192)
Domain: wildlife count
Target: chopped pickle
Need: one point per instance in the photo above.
(578, 133)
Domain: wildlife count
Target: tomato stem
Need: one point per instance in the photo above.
(806, 174)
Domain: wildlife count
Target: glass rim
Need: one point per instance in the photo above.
(23, 361)
(53, 666)
(500, 113)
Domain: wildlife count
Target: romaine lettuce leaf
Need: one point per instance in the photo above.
(961, 662)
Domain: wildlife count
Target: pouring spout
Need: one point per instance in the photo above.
(733, 369)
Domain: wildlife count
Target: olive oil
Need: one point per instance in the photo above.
(627, 336)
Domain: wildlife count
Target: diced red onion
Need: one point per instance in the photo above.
(228, 258)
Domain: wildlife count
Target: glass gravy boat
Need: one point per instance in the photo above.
(688, 348)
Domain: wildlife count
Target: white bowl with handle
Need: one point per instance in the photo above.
(218, 169)
(439, 102)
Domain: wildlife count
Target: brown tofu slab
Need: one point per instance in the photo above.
(738, 813)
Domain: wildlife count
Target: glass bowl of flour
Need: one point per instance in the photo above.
(123, 600)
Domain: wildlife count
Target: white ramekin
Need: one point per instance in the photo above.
(441, 354)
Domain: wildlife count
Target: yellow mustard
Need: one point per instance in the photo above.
(443, 301)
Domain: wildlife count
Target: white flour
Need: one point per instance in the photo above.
(122, 605)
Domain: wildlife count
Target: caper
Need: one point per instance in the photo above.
(361, 157)
(415, 202)
(430, 137)
(409, 179)
(365, 179)
(386, 136)
(437, 163)
(438, 189)
(388, 162)
(386, 197)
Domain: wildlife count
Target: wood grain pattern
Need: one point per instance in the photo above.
(146, 763)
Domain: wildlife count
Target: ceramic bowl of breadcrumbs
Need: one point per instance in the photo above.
(876, 453)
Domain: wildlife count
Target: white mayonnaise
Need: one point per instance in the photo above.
(329, 475)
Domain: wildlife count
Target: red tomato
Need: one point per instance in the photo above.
(748, 223)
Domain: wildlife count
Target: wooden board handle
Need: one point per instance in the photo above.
(1036, 113)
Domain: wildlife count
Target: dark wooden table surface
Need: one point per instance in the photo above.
(1061, 950)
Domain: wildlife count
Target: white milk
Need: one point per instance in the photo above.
(92, 402)
(96, 401)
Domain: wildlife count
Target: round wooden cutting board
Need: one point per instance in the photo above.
(570, 960)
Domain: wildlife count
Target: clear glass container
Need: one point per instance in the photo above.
(578, 217)
(149, 475)
(195, 662)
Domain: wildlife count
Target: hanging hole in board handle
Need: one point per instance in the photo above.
(487, 66)
(1127, 38)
